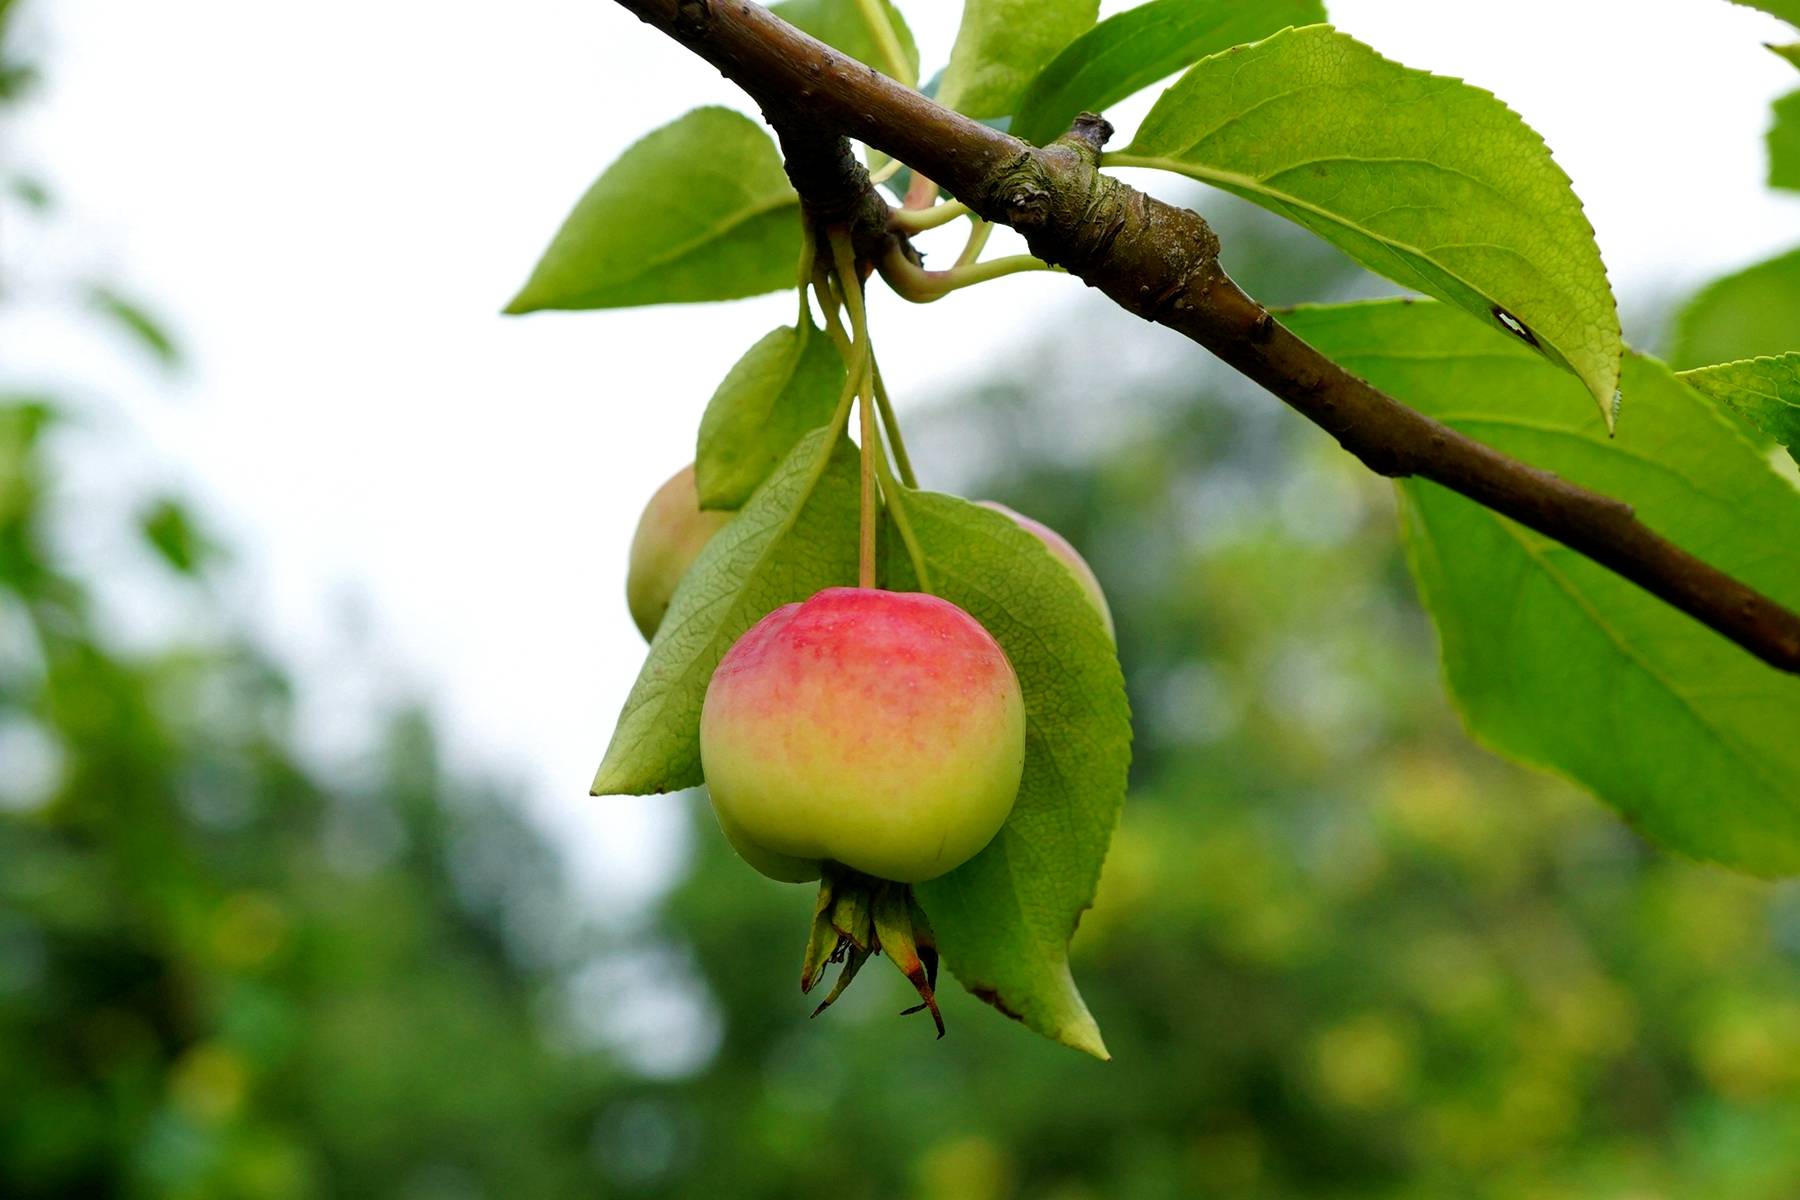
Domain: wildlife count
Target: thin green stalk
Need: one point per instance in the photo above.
(895, 495)
(840, 416)
(915, 283)
(886, 171)
(1118, 158)
(809, 249)
(865, 559)
(994, 268)
(839, 420)
(892, 424)
(829, 305)
(843, 258)
(884, 406)
(978, 240)
(918, 220)
(874, 15)
(852, 362)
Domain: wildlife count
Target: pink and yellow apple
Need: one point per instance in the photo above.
(1069, 557)
(670, 535)
(881, 730)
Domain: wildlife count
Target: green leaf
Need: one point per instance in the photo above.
(797, 535)
(137, 323)
(1557, 661)
(1131, 50)
(1787, 10)
(1791, 52)
(784, 385)
(1764, 391)
(1749, 314)
(1784, 143)
(841, 25)
(697, 210)
(32, 192)
(1002, 44)
(1429, 181)
(172, 532)
(1003, 920)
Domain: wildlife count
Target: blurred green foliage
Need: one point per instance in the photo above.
(1339, 951)
(222, 975)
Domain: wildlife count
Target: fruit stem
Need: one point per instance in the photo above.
(896, 505)
(915, 283)
(809, 250)
(978, 239)
(829, 305)
(886, 171)
(840, 417)
(918, 220)
(890, 421)
(849, 283)
(843, 257)
(865, 561)
(892, 425)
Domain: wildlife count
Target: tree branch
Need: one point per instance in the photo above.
(1162, 263)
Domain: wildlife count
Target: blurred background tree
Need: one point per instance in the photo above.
(1339, 950)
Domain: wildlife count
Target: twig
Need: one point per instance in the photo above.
(1161, 263)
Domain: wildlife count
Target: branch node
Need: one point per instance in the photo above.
(834, 187)
(1089, 133)
(692, 17)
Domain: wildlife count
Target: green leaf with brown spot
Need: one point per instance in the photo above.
(1427, 180)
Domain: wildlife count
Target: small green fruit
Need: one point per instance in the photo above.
(881, 730)
(669, 537)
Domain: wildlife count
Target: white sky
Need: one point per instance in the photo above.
(329, 204)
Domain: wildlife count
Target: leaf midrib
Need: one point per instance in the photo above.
(657, 702)
(711, 234)
(1580, 599)
(1223, 178)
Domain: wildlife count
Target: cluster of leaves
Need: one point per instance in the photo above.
(1424, 179)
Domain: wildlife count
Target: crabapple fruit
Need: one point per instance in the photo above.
(670, 535)
(881, 730)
